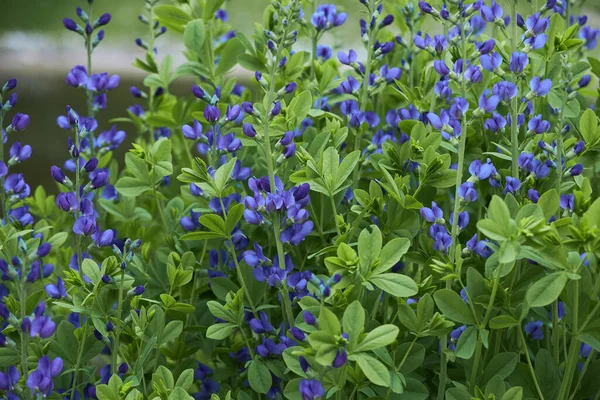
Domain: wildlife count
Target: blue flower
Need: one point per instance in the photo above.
(492, 13)
(468, 192)
(505, 90)
(512, 185)
(535, 330)
(567, 202)
(590, 35)
(432, 214)
(311, 389)
(518, 62)
(540, 87)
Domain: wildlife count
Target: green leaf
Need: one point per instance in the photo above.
(259, 377)
(171, 332)
(549, 202)
(391, 253)
(220, 331)
(353, 321)
(465, 347)
(503, 321)
(514, 393)
(329, 322)
(546, 290)
(91, 270)
(8, 357)
(373, 369)
(229, 56)
(186, 379)
(502, 364)
(131, 187)
(58, 239)
(498, 211)
(457, 394)
(345, 169)
(300, 105)
(395, 284)
(452, 306)
(378, 337)
(193, 36)
(369, 246)
(172, 17)
(234, 215)
(588, 125)
(214, 223)
(179, 394)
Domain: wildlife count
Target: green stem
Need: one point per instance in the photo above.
(115, 352)
(573, 354)
(240, 277)
(555, 332)
(78, 363)
(334, 210)
(159, 208)
(530, 365)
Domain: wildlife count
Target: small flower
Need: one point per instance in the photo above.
(567, 202)
(535, 330)
(432, 214)
(212, 113)
(468, 192)
(512, 185)
(311, 389)
(518, 62)
(19, 122)
(540, 87)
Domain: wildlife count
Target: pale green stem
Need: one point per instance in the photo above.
(530, 365)
(118, 327)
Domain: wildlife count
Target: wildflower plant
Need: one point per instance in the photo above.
(417, 218)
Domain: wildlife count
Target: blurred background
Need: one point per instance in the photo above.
(37, 50)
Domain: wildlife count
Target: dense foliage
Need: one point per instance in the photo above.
(416, 220)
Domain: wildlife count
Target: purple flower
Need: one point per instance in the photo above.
(590, 35)
(463, 219)
(533, 195)
(496, 123)
(512, 185)
(505, 90)
(70, 25)
(455, 334)
(311, 389)
(77, 77)
(538, 125)
(57, 291)
(482, 170)
(536, 24)
(540, 87)
(9, 380)
(41, 378)
(491, 62)
(432, 214)
(567, 202)
(425, 7)
(535, 330)
(536, 42)
(340, 359)
(193, 132)
(212, 113)
(468, 192)
(309, 318)
(42, 326)
(347, 59)
(19, 122)
(518, 62)
(324, 52)
(103, 20)
(441, 67)
(493, 13)
(488, 104)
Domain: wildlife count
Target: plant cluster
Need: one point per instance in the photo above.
(418, 219)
